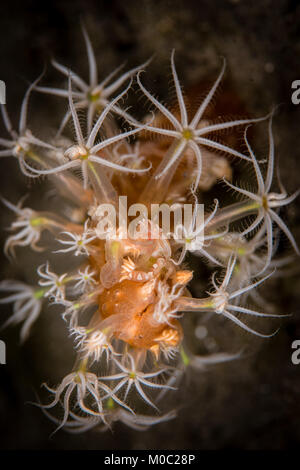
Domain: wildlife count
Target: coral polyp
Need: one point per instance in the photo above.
(131, 210)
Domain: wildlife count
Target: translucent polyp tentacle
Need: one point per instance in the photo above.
(103, 189)
(56, 223)
(35, 158)
(157, 188)
(232, 213)
(111, 325)
(71, 188)
(189, 304)
(110, 272)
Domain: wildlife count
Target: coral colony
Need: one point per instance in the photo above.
(130, 192)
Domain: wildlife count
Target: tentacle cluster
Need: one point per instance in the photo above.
(123, 303)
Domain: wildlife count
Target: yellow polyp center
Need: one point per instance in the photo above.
(84, 157)
(93, 97)
(39, 293)
(77, 379)
(110, 403)
(115, 246)
(37, 221)
(132, 375)
(265, 203)
(187, 134)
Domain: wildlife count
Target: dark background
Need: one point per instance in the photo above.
(249, 404)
